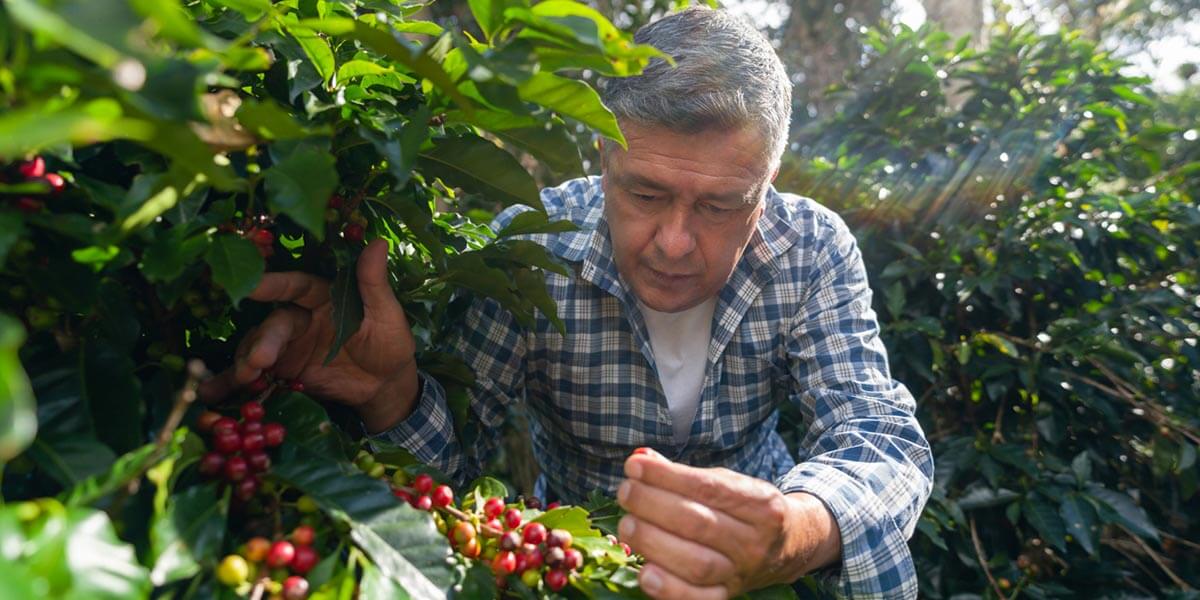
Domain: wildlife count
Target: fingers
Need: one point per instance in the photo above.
(686, 518)
(661, 584)
(272, 337)
(695, 563)
(373, 283)
(216, 387)
(301, 289)
(738, 495)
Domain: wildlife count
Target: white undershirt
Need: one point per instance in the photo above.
(680, 344)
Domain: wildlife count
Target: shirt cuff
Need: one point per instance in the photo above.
(876, 562)
(428, 433)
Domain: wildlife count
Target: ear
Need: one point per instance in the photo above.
(775, 173)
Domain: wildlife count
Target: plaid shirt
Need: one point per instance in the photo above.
(793, 323)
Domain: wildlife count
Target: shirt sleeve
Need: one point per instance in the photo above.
(864, 453)
(492, 343)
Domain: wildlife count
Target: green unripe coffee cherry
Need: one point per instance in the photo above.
(41, 318)
(531, 578)
(233, 571)
(306, 505)
(377, 471)
(172, 362)
(400, 478)
(365, 461)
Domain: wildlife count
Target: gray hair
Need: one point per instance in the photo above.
(727, 75)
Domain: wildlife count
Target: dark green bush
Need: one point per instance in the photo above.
(1029, 215)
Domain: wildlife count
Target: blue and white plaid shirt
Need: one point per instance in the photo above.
(793, 323)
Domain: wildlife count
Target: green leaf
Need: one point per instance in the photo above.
(18, 422)
(268, 120)
(553, 146)
(489, 15)
(317, 49)
(1005, 347)
(354, 69)
(70, 460)
(300, 185)
(574, 99)
(1127, 93)
(1118, 507)
(307, 423)
(533, 286)
(401, 150)
(252, 10)
(572, 518)
(113, 394)
(188, 533)
(1046, 521)
(347, 308)
(1080, 519)
(236, 265)
(96, 487)
(12, 228)
(535, 221)
(478, 166)
(72, 552)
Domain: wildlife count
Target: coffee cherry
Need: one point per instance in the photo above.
(505, 563)
(535, 533)
(403, 495)
(250, 427)
(36, 167)
(224, 425)
(627, 549)
(246, 488)
(470, 548)
(377, 471)
(644, 451)
(493, 507)
(556, 579)
(423, 484)
(236, 468)
(510, 541)
(554, 556)
(495, 525)
(295, 588)
(572, 559)
(253, 411)
(336, 201)
(423, 502)
(212, 463)
(443, 496)
(303, 535)
(259, 385)
(531, 577)
(400, 478)
(553, 505)
(559, 538)
(281, 554)
(305, 559)
(532, 555)
(233, 570)
(257, 549)
(274, 433)
(253, 442)
(29, 205)
(354, 232)
(227, 442)
(56, 182)
(512, 518)
(295, 385)
(462, 532)
(206, 420)
(306, 504)
(533, 502)
(261, 237)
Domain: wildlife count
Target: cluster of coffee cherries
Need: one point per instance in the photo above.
(341, 212)
(239, 454)
(499, 535)
(34, 171)
(278, 566)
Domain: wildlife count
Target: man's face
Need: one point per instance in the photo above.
(681, 209)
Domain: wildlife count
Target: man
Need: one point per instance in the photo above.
(699, 300)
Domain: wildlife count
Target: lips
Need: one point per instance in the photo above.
(666, 275)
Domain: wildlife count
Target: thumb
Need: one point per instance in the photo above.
(373, 283)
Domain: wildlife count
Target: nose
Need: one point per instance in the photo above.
(674, 238)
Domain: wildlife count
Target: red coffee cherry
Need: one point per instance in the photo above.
(56, 182)
(236, 468)
(246, 488)
(554, 557)
(505, 563)
(206, 420)
(493, 507)
(572, 559)
(462, 532)
(443, 496)
(227, 442)
(510, 541)
(533, 556)
(534, 533)
(423, 484)
(225, 425)
(295, 385)
(471, 549)
(354, 232)
(303, 535)
(295, 588)
(553, 505)
(253, 411)
(257, 549)
(305, 559)
(559, 538)
(281, 554)
(259, 385)
(250, 427)
(253, 442)
(212, 463)
(274, 433)
(32, 168)
(556, 580)
(423, 503)
(512, 518)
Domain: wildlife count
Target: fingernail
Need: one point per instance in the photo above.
(626, 527)
(651, 582)
(623, 491)
(633, 470)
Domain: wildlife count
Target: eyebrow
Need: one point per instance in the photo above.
(634, 179)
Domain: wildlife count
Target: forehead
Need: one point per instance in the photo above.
(713, 162)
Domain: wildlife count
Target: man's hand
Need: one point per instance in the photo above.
(374, 373)
(714, 533)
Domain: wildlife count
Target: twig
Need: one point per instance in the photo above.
(1158, 560)
(1177, 539)
(987, 571)
(260, 588)
(457, 514)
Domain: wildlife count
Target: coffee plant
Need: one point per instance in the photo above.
(158, 157)
(1028, 215)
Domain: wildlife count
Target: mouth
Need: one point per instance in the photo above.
(670, 277)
